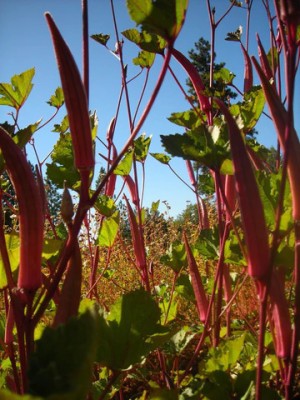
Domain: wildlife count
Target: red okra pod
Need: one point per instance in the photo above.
(31, 218)
(280, 316)
(70, 295)
(248, 73)
(197, 83)
(132, 189)
(112, 179)
(137, 238)
(256, 234)
(200, 296)
(282, 123)
(191, 173)
(75, 100)
(264, 60)
(230, 193)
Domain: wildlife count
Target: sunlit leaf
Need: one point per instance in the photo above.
(124, 166)
(224, 75)
(189, 119)
(51, 248)
(141, 147)
(163, 17)
(175, 257)
(250, 109)
(226, 355)
(147, 41)
(145, 59)
(12, 241)
(101, 38)
(108, 230)
(62, 167)
(154, 206)
(162, 158)
(57, 99)
(63, 126)
(105, 205)
(15, 93)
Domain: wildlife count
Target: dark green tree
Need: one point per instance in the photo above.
(200, 56)
(54, 198)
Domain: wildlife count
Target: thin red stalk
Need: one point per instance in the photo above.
(93, 274)
(171, 297)
(296, 330)
(208, 316)
(261, 339)
(186, 96)
(123, 73)
(142, 95)
(200, 295)
(249, 6)
(197, 83)
(137, 128)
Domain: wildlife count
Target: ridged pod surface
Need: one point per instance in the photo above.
(31, 218)
(75, 100)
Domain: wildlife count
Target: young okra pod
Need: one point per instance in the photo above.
(75, 100)
(200, 296)
(255, 229)
(30, 211)
(196, 82)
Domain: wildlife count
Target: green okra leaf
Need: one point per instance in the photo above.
(15, 93)
(163, 17)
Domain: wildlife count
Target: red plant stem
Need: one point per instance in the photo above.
(198, 289)
(171, 297)
(11, 354)
(62, 261)
(85, 47)
(261, 339)
(296, 330)
(137, 128)
(207, 323)
(142, 95)
(196, 81)
(248, 5)
(162, 363)
(123, 70)
(92, 289)
(186, 96)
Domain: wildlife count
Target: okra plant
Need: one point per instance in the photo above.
(176, 328)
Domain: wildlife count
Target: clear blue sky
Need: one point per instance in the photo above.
(25, 43)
